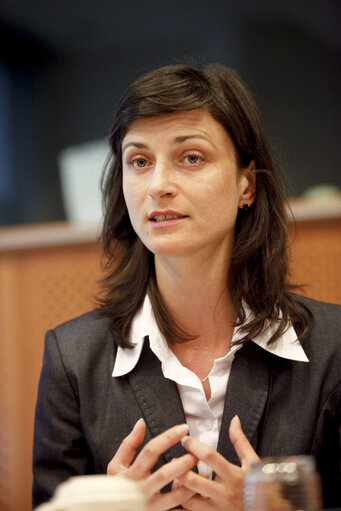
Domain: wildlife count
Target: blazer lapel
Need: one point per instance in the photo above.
(246, 396)
(158, 398)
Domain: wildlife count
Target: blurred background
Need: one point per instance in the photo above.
(64, 65)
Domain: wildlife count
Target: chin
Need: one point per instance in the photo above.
(168, 249)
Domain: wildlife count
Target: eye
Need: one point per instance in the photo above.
(138, 162)
(193, 158)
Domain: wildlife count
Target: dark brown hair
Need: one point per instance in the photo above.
(258, 273)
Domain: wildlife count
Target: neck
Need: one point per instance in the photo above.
(196, 295)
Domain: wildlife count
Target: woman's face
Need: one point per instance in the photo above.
(182, 185)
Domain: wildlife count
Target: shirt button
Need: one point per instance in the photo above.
(207, 425)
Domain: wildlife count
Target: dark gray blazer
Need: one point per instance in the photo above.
(83, 413)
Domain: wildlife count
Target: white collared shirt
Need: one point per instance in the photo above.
(203, 417)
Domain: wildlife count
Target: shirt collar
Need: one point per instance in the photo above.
(144, 324)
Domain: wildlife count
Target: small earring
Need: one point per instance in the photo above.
(245, 206)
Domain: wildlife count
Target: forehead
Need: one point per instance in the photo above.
(193, 122)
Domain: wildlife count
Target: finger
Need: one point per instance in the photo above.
(198, 503)
(218, 494)
(127, 450)
(176, 484)
(205, 474)
(210, 457)
(170, 500)
(151, 452)
(167, 473)
(243, 448)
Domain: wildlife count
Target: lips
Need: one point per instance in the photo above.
(162, 218)
(159, 216)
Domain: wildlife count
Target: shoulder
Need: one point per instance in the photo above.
(85, 327)
(83, 340)
(323, 344)
(327, 317)
(320, 307)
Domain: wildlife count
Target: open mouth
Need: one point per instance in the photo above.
(163, 218)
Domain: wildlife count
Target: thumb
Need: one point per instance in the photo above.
(243, 448)
(127, 450)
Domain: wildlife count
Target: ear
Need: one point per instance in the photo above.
(247, 185)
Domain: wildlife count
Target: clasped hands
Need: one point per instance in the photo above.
(193, 491)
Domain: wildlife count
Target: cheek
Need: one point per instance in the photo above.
(225, 192)
(132, 197)
(125, 187)
(129, 193)
(224, 202)
(128, 198)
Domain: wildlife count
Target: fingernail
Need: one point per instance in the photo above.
(235, 423)
(182, 428)
(137, 423)
(176, 484)
(206, 475)
(184, 440)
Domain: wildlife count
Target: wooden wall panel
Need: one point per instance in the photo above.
(39, 288)
(315, 254)
(7, 371)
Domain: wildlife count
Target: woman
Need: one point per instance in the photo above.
(198, 338)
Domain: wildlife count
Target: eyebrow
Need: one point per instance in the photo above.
(182, 138)
(177, 140)
(134, 144)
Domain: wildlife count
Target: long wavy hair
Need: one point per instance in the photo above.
(258, 273)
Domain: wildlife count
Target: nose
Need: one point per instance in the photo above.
(162, 183)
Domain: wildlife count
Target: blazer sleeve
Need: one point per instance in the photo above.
(327, 448)
(60, 449)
